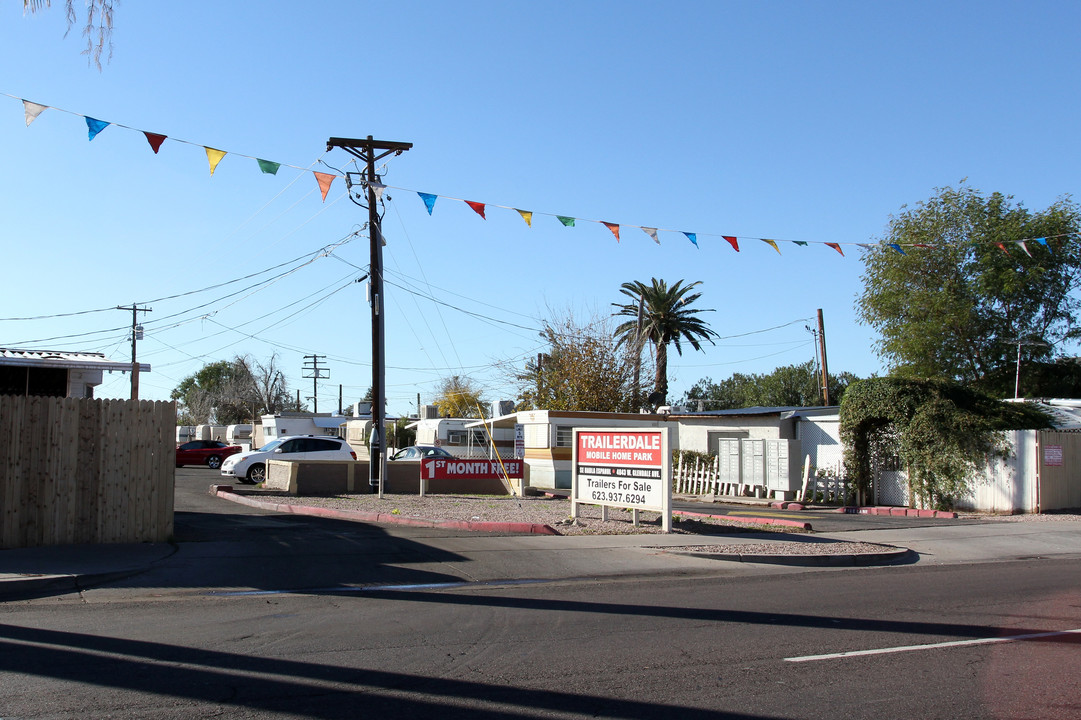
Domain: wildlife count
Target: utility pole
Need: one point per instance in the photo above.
(370, 151)
(822, 350)
(311, 365)
(136, 334)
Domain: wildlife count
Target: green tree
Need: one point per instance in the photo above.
(786, 386)
(459, 397)
(584, 369)
(667, 318)
(963, 290)
(97, 29)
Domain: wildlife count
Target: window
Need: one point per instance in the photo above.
(564, 436)
(456, 437)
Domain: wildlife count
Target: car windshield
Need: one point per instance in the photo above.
(271, 445)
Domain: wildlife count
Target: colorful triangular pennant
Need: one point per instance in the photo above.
(733, 241)
(652, 232)
(1023, 246)
(772, 244)
(32, 110)
(378, 188)
(614, 227)
(567, 221)
(693, 237)
(268, 167)
(477, 207)
(95, 126)
(155, 140)
(897, 247)
(214, 157)
(800, 242)
(429, 201)
(324, 180)
(836, 247)
(527, 216)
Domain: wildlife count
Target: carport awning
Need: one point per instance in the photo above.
(503, 421)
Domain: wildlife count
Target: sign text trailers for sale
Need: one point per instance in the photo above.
(624, 468)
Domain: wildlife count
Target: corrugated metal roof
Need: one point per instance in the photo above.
(64, 359)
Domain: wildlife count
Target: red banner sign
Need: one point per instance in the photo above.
(444, 469)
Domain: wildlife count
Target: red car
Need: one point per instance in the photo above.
(204, 452)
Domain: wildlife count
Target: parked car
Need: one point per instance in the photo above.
(204, 452)
(420, 452)
(250, 467)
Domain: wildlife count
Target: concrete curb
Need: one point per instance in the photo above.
(748, 520)
(897, 512)
(226, 493)
(893, 556)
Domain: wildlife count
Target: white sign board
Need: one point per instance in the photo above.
(623, 468)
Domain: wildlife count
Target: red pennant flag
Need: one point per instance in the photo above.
(613, 227)
(478, 207)
(732, 241)
(1002, 248)
(836, 247)
(324, 180)
(155, 140)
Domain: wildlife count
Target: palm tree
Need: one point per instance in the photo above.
(666, 318)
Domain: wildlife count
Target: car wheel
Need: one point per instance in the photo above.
(257, 473)
(213, 462)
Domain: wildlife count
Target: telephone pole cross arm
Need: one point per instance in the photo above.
(371, 151)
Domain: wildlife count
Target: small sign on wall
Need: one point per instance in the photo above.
(1052, 455)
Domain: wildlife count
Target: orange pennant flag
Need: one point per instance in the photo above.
(527, 216)
(772, 244)
(477, 207)
(613, 227)
(324, 180)
(836, 247)
(214, 156)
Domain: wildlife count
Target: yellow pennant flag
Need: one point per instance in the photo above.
(214, 157)
(527, 216)
(324, 180)
(772, 245)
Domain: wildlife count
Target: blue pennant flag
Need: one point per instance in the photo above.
(95, 126)
(897, 247)
(429, 201)
(693, 237)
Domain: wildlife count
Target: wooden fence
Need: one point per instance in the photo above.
(85, 471)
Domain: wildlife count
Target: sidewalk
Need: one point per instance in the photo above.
(45, 571)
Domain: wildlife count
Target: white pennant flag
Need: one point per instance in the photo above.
(652, 232)
(32, 110)
(1024, 247)
(378, 189)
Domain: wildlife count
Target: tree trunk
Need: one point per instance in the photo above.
(661, 385)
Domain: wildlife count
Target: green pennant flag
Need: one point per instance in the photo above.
(268, 167)
(567, 221)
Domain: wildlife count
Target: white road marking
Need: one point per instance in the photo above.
(931, 646)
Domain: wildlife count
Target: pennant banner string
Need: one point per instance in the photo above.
(33, 110)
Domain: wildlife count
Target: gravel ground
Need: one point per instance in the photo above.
(555, 512)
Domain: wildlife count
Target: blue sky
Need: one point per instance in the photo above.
(788, 120)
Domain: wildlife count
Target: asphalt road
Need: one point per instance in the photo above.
(728, 641)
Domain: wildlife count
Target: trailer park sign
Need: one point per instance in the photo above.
(623, 468)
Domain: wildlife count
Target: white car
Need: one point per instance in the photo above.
(250, 467)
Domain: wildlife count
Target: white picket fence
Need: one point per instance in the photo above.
(700, 477)
(704, 478)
